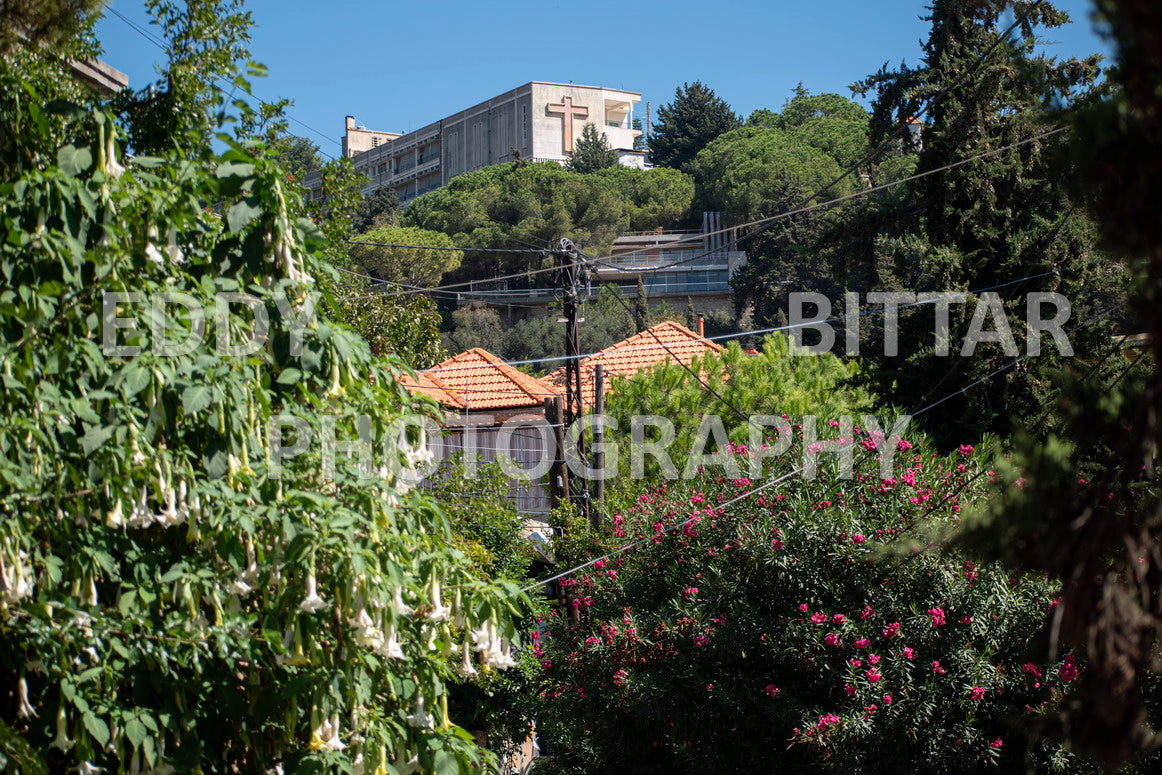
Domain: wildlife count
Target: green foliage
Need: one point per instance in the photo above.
(475, 325)
(785, 632)
(774, 382)
(591, 152)
(48, 23)
(754, 172)
(406, 326)
(379, 208)
(688, 124)
(205, 42)
(413, 267)
(1086, 505)
(298, 155)
(171, 597)
(520, 205)
(658, 197)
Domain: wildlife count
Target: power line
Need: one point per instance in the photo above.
(891, 137)
(776, 329)
(798, 469)
(161, 44)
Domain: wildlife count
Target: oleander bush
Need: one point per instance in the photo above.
(799, 627)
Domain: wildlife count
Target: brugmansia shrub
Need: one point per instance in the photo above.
(171, 597)
(787, 632)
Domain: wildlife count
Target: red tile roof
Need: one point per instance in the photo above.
(478, 380)
(640, 351)
(431, 387)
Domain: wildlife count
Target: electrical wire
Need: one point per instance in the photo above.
(798, 469)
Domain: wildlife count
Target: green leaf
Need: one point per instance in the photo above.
(196, 398)
(444, 763)
(242, 213)
(95, 437)
(134, 379)
(97, 728)
(136, 732)
(289, 376)
(73, 160)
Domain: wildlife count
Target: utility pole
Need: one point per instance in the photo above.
(598, 444)
(569, 260)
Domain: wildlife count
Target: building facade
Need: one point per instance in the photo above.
(536, 122)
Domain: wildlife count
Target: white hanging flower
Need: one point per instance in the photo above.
(142, 515)
(312, 602)
(401, 608)
(391, 647)
(334, 743)
(419, 718)
(358, 767)
(458, 610)
(481, 639)
(90, 598)
(61, 740)
(466, 667)
(115, 518)
(88, 768)
(25, 709)
(439, 610)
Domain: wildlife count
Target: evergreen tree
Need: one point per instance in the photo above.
(592, 152)
(641, 305)
(976, 225)
(298, 155)
(1085, 509)
(688, 124)
(379, 208)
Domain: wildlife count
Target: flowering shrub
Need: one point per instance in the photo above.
(806, 643)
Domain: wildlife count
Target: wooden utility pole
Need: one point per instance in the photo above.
(569, 260)
(598, 444)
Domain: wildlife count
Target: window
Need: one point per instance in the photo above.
(524, 126)
(375, 142)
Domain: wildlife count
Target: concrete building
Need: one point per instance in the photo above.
(536, 122)
(698, 264)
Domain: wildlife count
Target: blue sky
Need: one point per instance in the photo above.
(399, 66)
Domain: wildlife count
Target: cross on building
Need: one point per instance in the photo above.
(568, 111)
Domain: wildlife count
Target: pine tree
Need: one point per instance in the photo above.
(592, 152)
(688, 124)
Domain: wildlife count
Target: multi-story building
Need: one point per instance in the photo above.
(536, 122)
(671, 264)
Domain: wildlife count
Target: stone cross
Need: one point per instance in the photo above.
(567, 110)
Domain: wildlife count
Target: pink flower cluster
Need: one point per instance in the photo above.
(937, 615)
(1069, 671)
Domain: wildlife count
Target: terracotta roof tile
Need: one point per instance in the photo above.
(431, 387)
(479, 380)
(640, 351)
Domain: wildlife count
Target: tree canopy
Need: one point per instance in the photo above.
(408, 266)
(687, 125)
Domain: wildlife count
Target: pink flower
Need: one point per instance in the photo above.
(831, 639)
(599, 564)
(965, 450)
(690, 591)
(891, 630)
(937, 615)
(996, 743)
(849, 689)
(1032, 670)
(867, 613)
(903, 445)
(966, 620)
(819, 617)
(619, 678)
(873, 659)
(909, 652)
(977, 693)
(936, 668)
(862, 643)
(1069, 671)
(803, 607)
(858, 538)
(700, 640)
(874, 675)
(854, 662)
(887, 699)
(777, 546)
(839, 618)
(827, 720)
(772, 691)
